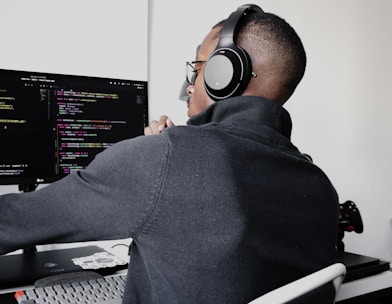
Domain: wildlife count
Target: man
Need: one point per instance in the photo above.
(221, 210)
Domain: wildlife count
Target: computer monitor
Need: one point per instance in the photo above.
(53, 124)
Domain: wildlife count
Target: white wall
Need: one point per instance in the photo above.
(341, 109)
(89, 37)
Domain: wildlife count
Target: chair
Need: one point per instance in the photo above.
(334, 273)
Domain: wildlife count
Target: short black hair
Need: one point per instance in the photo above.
(271, 32)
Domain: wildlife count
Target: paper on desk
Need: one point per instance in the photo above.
(98, 260)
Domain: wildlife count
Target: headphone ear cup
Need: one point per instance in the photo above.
(227, 72)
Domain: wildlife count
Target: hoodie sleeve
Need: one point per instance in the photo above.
(111, 199)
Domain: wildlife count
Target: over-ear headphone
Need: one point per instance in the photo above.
(228, 69)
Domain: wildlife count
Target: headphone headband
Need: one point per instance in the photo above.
(230, 26)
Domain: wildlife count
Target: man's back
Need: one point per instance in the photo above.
(243, 214)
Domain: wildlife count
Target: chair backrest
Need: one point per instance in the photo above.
(334, 273)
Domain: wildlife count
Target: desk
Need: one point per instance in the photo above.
(375, 287)
(360, 291)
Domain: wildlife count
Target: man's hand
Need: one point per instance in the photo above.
(156, 127)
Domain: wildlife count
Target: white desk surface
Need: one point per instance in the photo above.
(365, 285)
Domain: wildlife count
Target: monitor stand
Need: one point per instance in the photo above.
(32, 265)
(28, 188)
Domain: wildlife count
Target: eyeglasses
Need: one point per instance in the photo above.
(191, 72)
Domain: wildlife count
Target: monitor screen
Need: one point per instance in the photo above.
(53, 124)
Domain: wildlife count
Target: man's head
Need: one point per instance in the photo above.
(277, 56)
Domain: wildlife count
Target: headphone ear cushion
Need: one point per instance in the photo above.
(227, 72)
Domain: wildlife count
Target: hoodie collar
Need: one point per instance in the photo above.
(246, 109)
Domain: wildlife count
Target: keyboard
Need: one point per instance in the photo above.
(105, 290)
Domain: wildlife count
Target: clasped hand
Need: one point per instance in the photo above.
(156, 127)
